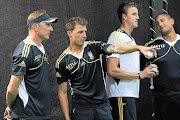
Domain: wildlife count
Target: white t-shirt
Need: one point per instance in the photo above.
(171, 43)
(129, 62)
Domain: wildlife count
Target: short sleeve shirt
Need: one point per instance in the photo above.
(85, 74)
(33, 100)
(167, 83)
(129, 62)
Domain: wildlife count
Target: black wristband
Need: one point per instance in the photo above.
(139, 75)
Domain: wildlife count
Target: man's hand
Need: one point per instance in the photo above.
(7, 113)
(144, 49)
(149, 72)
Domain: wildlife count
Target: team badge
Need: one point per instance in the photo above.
(90, 55)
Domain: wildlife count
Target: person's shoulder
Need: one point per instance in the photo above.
(62, 57)
(178, 36)
(157, 40)
(91, 42)
(23, 48)
(116, 36)
(117, 33)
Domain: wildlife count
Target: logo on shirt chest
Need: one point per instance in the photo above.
(158, 46)
(38, 57)
(90, 55)
(128, 43)
(46, 59)
(71, 65)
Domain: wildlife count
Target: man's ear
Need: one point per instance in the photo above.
(172, 21)
(69, 33)
(34, 27)
(124, 16)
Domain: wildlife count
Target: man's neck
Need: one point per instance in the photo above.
(76, 50)
(35, 39)
(127, 29)
(170, 37)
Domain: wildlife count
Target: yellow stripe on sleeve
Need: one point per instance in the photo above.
(117, 34)
(66, 52)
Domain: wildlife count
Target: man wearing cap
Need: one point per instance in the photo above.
(28, 92)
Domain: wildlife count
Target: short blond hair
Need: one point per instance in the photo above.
(34, 15)
(70, 25)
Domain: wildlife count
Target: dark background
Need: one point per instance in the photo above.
(102, 18)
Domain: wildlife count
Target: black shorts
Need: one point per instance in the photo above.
(166, 110)
(102, 113)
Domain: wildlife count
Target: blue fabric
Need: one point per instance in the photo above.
(36, 77)
(39, 19)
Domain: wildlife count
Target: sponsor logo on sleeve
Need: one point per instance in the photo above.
(22, 64)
